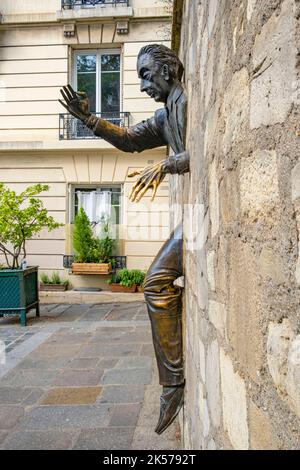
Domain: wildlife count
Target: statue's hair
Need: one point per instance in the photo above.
(164, 55)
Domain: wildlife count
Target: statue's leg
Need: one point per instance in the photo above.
(164, 303)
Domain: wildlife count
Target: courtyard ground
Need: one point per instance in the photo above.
(81, 377)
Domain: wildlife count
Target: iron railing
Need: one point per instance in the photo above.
(69, 4)
(71, 128)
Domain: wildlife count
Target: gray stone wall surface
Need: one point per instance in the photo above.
(241, 210)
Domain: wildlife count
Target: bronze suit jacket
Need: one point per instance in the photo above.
(166, 127)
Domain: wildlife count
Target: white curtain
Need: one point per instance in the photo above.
(96, 204)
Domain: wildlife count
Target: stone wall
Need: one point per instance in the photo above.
(242, 200)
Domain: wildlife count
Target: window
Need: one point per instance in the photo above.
(98, 74)
(99, 203)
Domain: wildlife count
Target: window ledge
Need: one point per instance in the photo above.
(106, 12)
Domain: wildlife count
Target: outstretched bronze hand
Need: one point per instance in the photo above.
(76, 103)
(150, 177)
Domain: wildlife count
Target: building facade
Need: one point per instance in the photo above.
(92, 45)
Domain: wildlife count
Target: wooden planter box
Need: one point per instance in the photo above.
(119, 288)
(19, 292)
(53, 287)
(91, 268)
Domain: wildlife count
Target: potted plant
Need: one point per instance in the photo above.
(126, 280)
(21, 217)
(53, 283)
(138, 278)
(92, 255)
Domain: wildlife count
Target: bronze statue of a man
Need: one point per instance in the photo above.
(160, 72)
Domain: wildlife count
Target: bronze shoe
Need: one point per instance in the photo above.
(171, 401)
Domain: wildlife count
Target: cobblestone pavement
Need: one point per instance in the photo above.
(81, 377)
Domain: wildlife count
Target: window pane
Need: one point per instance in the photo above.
(86, 63)
(110, 63)
(110, 92)
(87, 82)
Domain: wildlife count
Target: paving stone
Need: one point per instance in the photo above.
(72, 396)
(56, 350)
(68, 338)
(10, 415)
(41, 440)
(79, 377)
(3, 435)
(121, 315)
(122, 335)
(66, 417)
(34, 397)
(122, 394)
(105, 439)
(146, 439)
(94, 315)
(29, 377)
(107, 363)
(113, 350)
(128, 376)
(14, 395)
(32, 363)
(84, 363)
(147, 350)
(138, 362)
(125, 415)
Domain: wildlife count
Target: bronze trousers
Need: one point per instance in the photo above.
(164, 303)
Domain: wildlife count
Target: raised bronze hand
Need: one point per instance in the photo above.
(76, 103)
(150, 177)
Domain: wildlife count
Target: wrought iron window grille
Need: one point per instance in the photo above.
(69, 4)
(71, 128)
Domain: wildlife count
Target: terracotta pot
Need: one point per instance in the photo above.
(91, 268)
(53, 287)
(118, 288)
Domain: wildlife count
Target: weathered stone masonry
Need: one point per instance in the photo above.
(242, 198)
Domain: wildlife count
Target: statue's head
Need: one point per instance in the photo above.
(158, 68)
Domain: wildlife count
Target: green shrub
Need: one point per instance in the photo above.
(128, 277)
(54, 279)
(88, 248)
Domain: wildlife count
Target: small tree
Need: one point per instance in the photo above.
(83, 240)
(21, 217)
(87, 247)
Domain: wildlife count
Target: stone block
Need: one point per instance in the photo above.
(271, 265)
(262, 436)
(203, 413)
(296, 182)
(283, 356)
(250, 8)
(213, 382)
(214, 207)
(217, 316)
(244, 309)
(259, 188)
(274, 62)
(211, 270)
(234, 404)
(235, 109)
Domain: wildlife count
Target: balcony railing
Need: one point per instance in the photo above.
(69, 4)
(71, 128)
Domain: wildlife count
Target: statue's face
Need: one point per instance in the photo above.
(155, 79)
